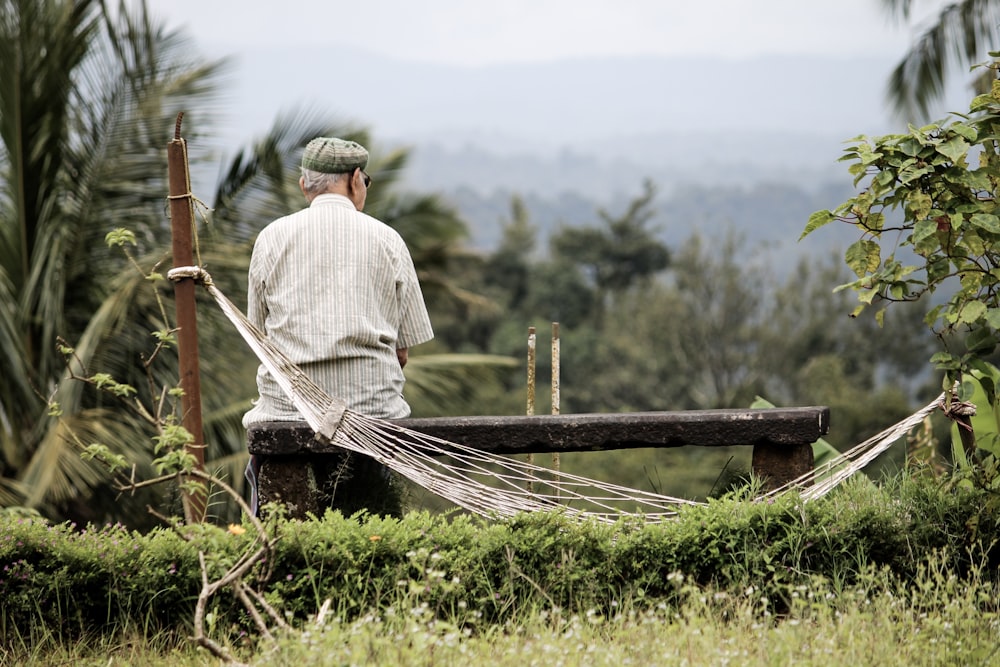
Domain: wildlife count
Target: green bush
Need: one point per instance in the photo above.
(101, 581)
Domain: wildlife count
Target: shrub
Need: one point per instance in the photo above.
(108, 580)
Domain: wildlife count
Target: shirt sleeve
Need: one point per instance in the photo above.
(256, 305)
(414, 322)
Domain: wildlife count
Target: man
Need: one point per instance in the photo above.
(335, 290)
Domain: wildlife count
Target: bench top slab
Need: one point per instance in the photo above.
(583, 432)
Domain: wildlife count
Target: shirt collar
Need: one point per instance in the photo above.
(331, 199)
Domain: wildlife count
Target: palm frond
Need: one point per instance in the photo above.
(962, 33)
(897, 10)
(447, 384)
(57, 473)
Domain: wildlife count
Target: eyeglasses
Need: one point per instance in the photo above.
(368, 179)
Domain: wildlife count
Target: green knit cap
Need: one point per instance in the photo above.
(330, 155)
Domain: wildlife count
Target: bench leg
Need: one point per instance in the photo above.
(313, 483)
(780, 464)
(289, 480)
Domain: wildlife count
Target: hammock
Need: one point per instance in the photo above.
(497, 486)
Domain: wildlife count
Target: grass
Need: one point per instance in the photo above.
(937, 620)
(900, 574)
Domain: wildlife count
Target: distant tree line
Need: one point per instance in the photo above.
(704, 325)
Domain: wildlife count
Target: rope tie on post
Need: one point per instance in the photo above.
(196, 273)
(962, 412)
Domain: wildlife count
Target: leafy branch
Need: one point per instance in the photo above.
(929, 220)
(174, 464)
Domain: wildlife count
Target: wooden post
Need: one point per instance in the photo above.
(181, 220)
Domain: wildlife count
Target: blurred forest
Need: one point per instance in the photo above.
(704, 324)
(703, 321)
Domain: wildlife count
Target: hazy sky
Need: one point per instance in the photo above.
(390, 66)
(474, 32)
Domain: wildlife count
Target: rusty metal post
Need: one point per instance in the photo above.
(181, 221)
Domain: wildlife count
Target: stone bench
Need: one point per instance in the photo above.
(308, 475)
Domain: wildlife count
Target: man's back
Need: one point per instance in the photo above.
(336, 291)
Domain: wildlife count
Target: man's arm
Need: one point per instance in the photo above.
(402, 354)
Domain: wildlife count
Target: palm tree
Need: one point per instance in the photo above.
(86, 96)
(87, 105)
(962, 33)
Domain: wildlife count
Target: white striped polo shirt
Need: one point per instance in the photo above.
(335, 290)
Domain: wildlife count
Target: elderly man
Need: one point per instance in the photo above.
(335, 290)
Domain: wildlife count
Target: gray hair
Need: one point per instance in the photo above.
(317, 182)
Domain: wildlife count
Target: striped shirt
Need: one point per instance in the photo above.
(335, 290)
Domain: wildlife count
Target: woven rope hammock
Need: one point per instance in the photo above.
(497, 486)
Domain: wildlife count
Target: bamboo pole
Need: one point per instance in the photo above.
(181, 221)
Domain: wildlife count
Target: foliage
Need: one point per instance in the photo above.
(617, 255)
(713, 331)
(73, 583)
(930, 196)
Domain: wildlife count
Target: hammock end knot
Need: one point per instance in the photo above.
(330, 420)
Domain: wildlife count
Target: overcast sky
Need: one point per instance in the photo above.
(290, 52)
(490, 32)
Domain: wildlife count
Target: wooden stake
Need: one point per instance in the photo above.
(181, 220)
(530, 408)
(555, 385)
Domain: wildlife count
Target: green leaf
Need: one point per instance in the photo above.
(102, 453)
(982, 341)
(866, 155)
(863, 256)
(968, 133)
(876, 221)
(919, 204)
(119, 237)
(884, 178)
(866, 296)
(972, 311)
(924, 230)
(944, 361)
(954, 149)
(942, 357)
(817, 220)
(993, 317)
(937, 269)
(912, 173)
(986, 222)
